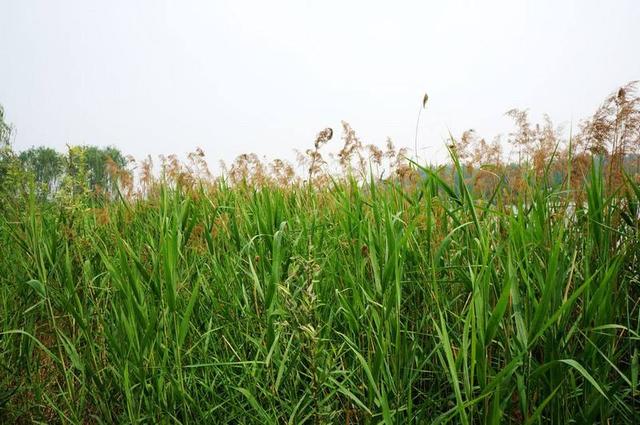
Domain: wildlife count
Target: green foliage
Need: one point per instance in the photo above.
(97, 160)
(380, 303)
(45, 165)
(84, 170)
(10, 170)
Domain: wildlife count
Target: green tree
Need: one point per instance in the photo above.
(45, 165)
(8, 164)
(91, 170)
(5, 129)
(97, 162)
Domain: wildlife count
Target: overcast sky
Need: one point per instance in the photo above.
(159, 77)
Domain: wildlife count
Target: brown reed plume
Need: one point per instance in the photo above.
(614, 130)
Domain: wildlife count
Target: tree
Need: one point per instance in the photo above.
(98, 161)
(45, 165)
(5, 130)
(8, 166)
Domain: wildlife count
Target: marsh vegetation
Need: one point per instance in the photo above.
(368, 288)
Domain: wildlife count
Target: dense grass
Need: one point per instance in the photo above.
(345, 304)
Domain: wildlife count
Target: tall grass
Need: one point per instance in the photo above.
(347, 303)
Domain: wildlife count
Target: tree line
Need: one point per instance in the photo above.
(81, 168)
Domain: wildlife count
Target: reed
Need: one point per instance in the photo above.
(410, 294)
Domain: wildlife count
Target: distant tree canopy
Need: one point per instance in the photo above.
(97, 161)
(6, 154)
(89, 167)
(5, 129)
(45, 164)
(89, 164)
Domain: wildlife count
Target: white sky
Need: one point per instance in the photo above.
(159, 77)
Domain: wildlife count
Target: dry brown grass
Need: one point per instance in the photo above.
(612, 132)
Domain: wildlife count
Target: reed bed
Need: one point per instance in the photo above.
(355, 302)
(459, 294)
